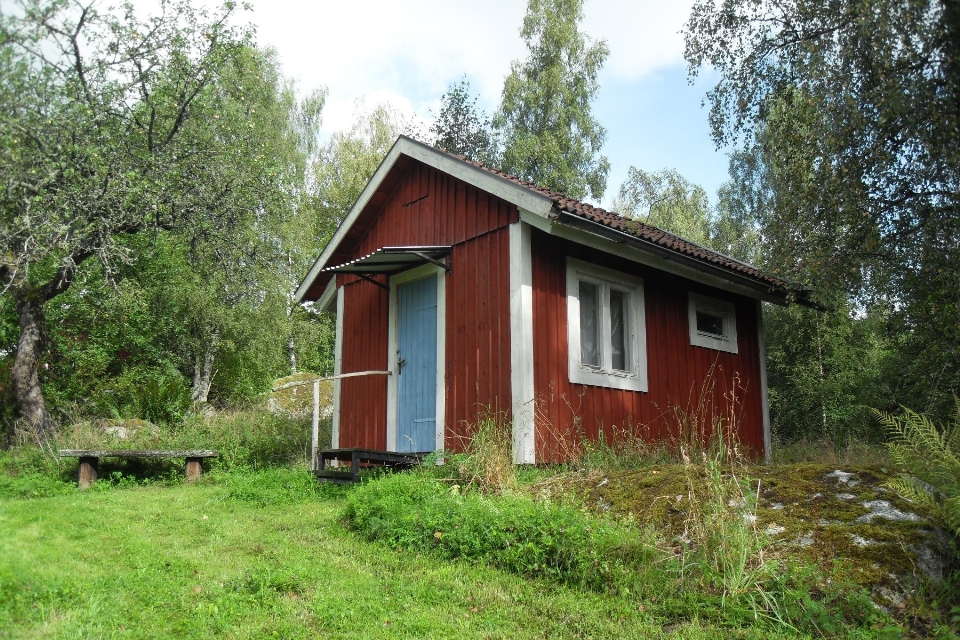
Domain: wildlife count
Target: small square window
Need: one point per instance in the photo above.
(606, 331)
(713, 323)
(710, 323)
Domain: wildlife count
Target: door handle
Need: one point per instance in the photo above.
(400, 363)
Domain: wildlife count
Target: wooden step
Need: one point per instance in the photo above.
(357, 457)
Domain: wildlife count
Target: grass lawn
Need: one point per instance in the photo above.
(254, 555)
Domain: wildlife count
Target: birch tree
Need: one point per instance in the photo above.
(855, 109)
(548, 133)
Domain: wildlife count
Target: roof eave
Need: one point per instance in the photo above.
(767, 291)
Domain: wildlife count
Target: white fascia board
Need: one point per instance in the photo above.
(385, 166)
(327, 301)
(634, 254)
(523, 197)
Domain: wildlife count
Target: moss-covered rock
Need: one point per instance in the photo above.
(297, 400)
(844, 521)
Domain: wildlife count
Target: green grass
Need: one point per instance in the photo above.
(253, 555)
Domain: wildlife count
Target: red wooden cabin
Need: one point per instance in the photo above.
(461, 291)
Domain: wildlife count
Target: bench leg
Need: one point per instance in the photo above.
(193, 469)
(87, 473)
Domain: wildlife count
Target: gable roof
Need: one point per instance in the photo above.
(556, 207)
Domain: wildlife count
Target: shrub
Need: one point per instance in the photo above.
(533, 539)
(931, 457)
(29, 472)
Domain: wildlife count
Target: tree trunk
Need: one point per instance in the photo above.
(26, 382)
(293, 355)
(203, 374)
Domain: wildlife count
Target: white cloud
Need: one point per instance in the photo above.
(643, 36)
(409, 52)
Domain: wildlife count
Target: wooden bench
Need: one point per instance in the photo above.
(90, 459)
(358, 456)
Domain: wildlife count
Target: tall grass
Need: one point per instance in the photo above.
(487, 461)
(722, 546)
(252, 437)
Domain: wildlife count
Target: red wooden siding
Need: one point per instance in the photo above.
(431, 208)
(677, 371)
(478, 333)
(363, 399)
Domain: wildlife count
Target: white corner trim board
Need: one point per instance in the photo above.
(521, 344)
(337, 369)
(764, 397)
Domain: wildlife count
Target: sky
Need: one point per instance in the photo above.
(407, 53)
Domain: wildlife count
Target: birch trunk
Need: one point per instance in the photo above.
(203, 373)
(293, 355)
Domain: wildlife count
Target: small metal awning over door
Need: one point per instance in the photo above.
(392, 260)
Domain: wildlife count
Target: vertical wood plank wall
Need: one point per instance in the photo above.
(678, 372)
(431, 208)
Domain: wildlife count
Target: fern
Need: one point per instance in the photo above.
(931, 458)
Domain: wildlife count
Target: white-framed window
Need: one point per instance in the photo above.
(713, 323)
(606, 329)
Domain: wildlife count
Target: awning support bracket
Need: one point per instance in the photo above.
(364, 276)
(445, 264)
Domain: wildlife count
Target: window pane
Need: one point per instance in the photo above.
(618, 334)
(709, 323)
(590, 324)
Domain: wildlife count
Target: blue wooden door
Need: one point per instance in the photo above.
(417, 365)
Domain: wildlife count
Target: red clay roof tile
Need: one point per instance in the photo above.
(649, 233)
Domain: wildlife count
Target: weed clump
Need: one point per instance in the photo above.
(487, 461)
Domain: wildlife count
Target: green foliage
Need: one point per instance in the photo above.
(422, 514)
(741, 204)
(126, 151)
(853, 107)
(31, 472)
(461, 128)
(544, 122)
(347, 162)
(666, 200)
(931, 457)
(247, 440)
(826, 369)
(487, 461)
